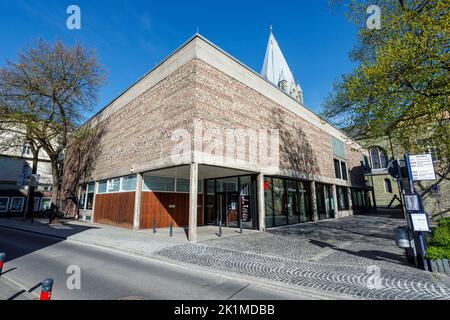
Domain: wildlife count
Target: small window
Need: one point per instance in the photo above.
(387, 186)
(113, 185)
(344, 170)
(102, 187)
(4, 202)
(90, 196)
(340, 169)
(129, 183)
(45, 204)
(16, 204)
(378, 158)
(337, 169)
(82, 200)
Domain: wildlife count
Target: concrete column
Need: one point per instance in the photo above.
(193, 195)
(137, 202)
(261, 204)
(93, 203)
(314, 201)
(350, 200)
(335, 200)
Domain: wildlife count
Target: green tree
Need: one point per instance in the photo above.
(47, 93)
(401, 86)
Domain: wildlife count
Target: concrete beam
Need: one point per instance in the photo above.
(261, 204)
(137, 202)
(193, 195)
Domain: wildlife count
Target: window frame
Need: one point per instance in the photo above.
(338, 164)
(7, 204)
(379, 151)
(109, 182)
(40, 203)
(22, 204)
(387, 182)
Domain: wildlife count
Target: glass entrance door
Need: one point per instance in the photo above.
(227, 205)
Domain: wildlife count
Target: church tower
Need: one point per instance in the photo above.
(277, 71)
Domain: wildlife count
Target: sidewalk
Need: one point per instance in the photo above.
(10, 291)
(141, 242)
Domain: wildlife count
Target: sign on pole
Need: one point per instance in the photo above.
(420, 222)
(422, 167)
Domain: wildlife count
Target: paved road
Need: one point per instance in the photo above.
(108, 274)
(355, 256)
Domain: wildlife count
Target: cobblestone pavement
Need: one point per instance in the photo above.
(338, 257)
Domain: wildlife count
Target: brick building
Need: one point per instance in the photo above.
(202, 140)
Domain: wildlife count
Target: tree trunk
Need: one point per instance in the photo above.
(32, 189)
(53, 218)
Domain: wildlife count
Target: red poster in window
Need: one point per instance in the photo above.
(266, 185)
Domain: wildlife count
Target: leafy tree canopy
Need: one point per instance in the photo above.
(401, 87)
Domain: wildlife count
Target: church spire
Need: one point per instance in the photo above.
(277, 71)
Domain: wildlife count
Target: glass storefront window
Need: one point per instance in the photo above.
(303, 203)
(268, 201)
(82, 201)
(153, 183)
(342, 195)
(227, 185)
(129, 183)
(90, 196)
(292, 201)
(279, 199)
(325, 201)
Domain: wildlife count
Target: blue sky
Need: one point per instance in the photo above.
(131, 37)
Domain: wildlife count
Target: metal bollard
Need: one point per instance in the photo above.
(220, 228)
(171, 229)
(2, 261)
(46, 291)
(240, 225)
(154, 225)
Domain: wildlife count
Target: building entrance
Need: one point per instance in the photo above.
(230, 201)
(228, 209)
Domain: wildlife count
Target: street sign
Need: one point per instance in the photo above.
(420, 222)
(412, 202)
(422, 167)
(435, 188)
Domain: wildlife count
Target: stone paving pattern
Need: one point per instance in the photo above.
(330, 256)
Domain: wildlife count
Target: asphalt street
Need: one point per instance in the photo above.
(107, 274)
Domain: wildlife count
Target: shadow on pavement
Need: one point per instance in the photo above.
(14, 234)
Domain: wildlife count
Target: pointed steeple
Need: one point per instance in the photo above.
(276, 69)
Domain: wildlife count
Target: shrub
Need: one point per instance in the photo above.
(439, 245)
